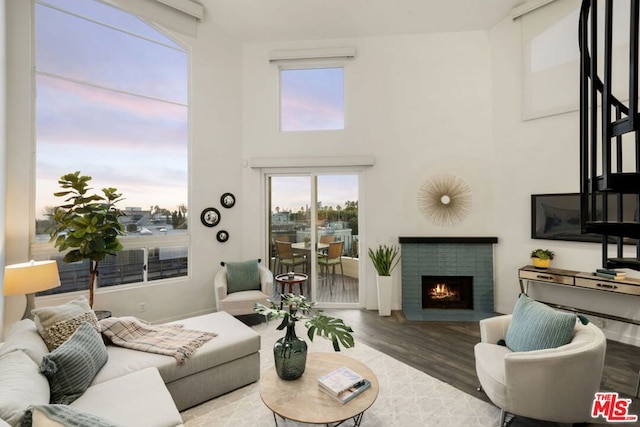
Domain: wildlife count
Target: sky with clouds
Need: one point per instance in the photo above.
(111, 101)
(312, 99)
(291, 193)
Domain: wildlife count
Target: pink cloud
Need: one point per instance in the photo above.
(74, 94)
(299, 113)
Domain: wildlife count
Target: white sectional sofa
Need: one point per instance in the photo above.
(227, 362)
(134, 388)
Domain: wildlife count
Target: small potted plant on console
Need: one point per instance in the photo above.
(541, 258)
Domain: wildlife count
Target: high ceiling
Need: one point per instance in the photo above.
(281, 20)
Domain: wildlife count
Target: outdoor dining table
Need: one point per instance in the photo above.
(305, 248)
(302, 246)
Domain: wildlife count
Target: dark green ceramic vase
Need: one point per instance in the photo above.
(290, 355)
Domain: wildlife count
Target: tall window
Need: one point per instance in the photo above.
(112, 103)
(312, 99)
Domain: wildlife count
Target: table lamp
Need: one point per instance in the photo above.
(27, 278)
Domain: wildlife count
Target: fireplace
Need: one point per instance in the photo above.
(454, 259)
(447, 292)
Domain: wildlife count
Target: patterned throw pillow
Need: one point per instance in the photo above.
(71, 367)
(536, 326)
(56, 324)
(243, 276)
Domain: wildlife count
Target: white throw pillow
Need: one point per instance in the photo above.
(24, 336)
(21, 385)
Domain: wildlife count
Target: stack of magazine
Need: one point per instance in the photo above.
(611, 274)
(343, 384)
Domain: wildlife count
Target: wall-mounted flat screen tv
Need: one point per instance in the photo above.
(557, 216)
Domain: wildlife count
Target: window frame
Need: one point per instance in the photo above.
(312, 64)
(45, 251)
(313, 171)
(40, 250)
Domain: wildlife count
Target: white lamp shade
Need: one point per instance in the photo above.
(30, 277)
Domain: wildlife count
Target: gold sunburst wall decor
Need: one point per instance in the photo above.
(445, 199)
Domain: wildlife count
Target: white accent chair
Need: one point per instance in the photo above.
(240, 303)
(555, 384)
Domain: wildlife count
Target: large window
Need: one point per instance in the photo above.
(312, 99)
(112, 103)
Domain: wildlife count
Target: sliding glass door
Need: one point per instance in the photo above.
(313, 229)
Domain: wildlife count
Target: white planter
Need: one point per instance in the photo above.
(385, 283)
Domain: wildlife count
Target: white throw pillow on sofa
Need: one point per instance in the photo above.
(21, 385)
(24, 336)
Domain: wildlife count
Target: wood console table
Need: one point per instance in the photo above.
(582, 280)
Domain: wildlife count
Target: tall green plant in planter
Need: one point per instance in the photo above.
(385, 259)
(86, 225)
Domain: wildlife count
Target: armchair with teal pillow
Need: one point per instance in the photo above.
(239, 285)
(540, 363)
(536, 326)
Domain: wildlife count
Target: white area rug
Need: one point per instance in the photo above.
(407, 396)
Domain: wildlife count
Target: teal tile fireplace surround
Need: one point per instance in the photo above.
(447, 256)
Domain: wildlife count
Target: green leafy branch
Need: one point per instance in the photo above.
(86, 226)
(317, 323)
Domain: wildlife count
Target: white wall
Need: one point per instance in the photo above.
(19, 129)
(539, 156)
(420, 104)
(427, 104)
(3, 145)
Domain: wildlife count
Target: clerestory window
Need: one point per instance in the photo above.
(112, 103)
(311, 98)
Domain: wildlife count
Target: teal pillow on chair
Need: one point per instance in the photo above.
(243, 276)
(536, 326)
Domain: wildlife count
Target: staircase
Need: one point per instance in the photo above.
(609, 136)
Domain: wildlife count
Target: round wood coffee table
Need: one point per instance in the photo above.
(301, 400)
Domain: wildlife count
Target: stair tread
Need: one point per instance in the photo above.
(614, 228)
(623, 182)
(632, 263)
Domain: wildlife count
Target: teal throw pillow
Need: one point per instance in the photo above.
(61, 415)
(536, 326)
(71, 367)
(243, 276)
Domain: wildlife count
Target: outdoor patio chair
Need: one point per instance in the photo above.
(333, 259)
(285, 257)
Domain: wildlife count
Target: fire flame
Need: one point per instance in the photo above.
(442, 291)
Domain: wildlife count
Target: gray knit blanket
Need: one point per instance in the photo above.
(169, 340)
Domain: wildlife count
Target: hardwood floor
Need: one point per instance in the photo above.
(338, 288)
(444, 350)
